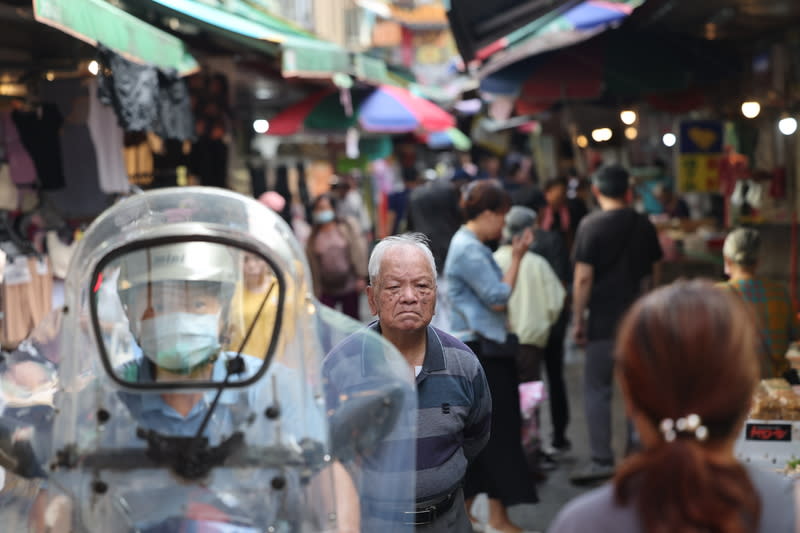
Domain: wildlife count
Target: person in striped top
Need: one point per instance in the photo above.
(453, 413)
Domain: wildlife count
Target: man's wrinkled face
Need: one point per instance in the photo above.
(404, 295)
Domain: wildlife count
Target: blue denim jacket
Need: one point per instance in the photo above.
(474, 285)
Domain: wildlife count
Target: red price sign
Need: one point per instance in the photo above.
(769, 432)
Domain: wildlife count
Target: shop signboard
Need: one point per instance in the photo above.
(768, 444)
(700, 155)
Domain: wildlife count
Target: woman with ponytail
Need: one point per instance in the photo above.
(687, 365)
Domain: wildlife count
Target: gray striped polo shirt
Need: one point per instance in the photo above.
(453, 415)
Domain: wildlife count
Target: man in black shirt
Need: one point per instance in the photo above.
(433, 209)
(615, 253)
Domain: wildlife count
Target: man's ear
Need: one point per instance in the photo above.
(629, 196)
(373, 306)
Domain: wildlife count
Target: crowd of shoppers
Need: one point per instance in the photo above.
(479, 293)
(502, 275)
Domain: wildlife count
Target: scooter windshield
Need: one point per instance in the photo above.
(193, 381)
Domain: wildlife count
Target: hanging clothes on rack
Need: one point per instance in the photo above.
(39, 131)
(108, 139)
(27, 297)
(81, 195)
(9, 196)
(20, 164)
(175, 120)
(145, 98)
(209, 160)
(130, 88)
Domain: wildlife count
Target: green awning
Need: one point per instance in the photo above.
(302, 54)
(370, 69)
(97, 21)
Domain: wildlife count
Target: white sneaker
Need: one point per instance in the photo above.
(478, 527)
(592, 472)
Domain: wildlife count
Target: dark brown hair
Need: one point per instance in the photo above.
(688, 348)
(484, 195)
(558, 181)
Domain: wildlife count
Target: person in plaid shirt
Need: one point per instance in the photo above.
(770, 301)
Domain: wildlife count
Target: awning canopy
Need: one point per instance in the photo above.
(370, 69)
(387, 109)
(302, 54)
(97, 21)
(578, 24)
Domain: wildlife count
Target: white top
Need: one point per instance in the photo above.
(537, 298)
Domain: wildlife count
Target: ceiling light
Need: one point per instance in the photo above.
(631, 133)
(264, 93)
(669, 140)
(751, 109)
(787, 125)
(628, 117)
(261, 126)
(602, 134)
(582, 141)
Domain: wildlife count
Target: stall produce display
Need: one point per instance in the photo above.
(770, 438)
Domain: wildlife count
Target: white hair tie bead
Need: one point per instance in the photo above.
(689, 425)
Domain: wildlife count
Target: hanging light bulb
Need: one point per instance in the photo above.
(751, 109)
(602, 134)
(261, 126)
(628, 117)
(582, 141)
(787, 125)
(631, 133)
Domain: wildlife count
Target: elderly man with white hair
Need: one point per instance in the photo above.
(454, 404)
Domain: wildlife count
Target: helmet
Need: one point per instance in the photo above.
(205, 262)
(184, 261)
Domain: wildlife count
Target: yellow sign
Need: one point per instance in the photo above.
(699, 173)
(700, 155)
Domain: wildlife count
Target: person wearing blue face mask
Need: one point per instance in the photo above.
(177, 301)
(337, 257)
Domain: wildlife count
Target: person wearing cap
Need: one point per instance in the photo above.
(533, 308)
(770, 301)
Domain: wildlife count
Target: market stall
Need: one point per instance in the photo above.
(770, 437)
(692, 249)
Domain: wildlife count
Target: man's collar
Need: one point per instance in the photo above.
(434, 351)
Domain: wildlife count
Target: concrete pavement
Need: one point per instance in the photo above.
(557, 490)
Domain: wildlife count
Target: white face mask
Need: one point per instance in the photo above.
(323, 217)
(179, 342)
